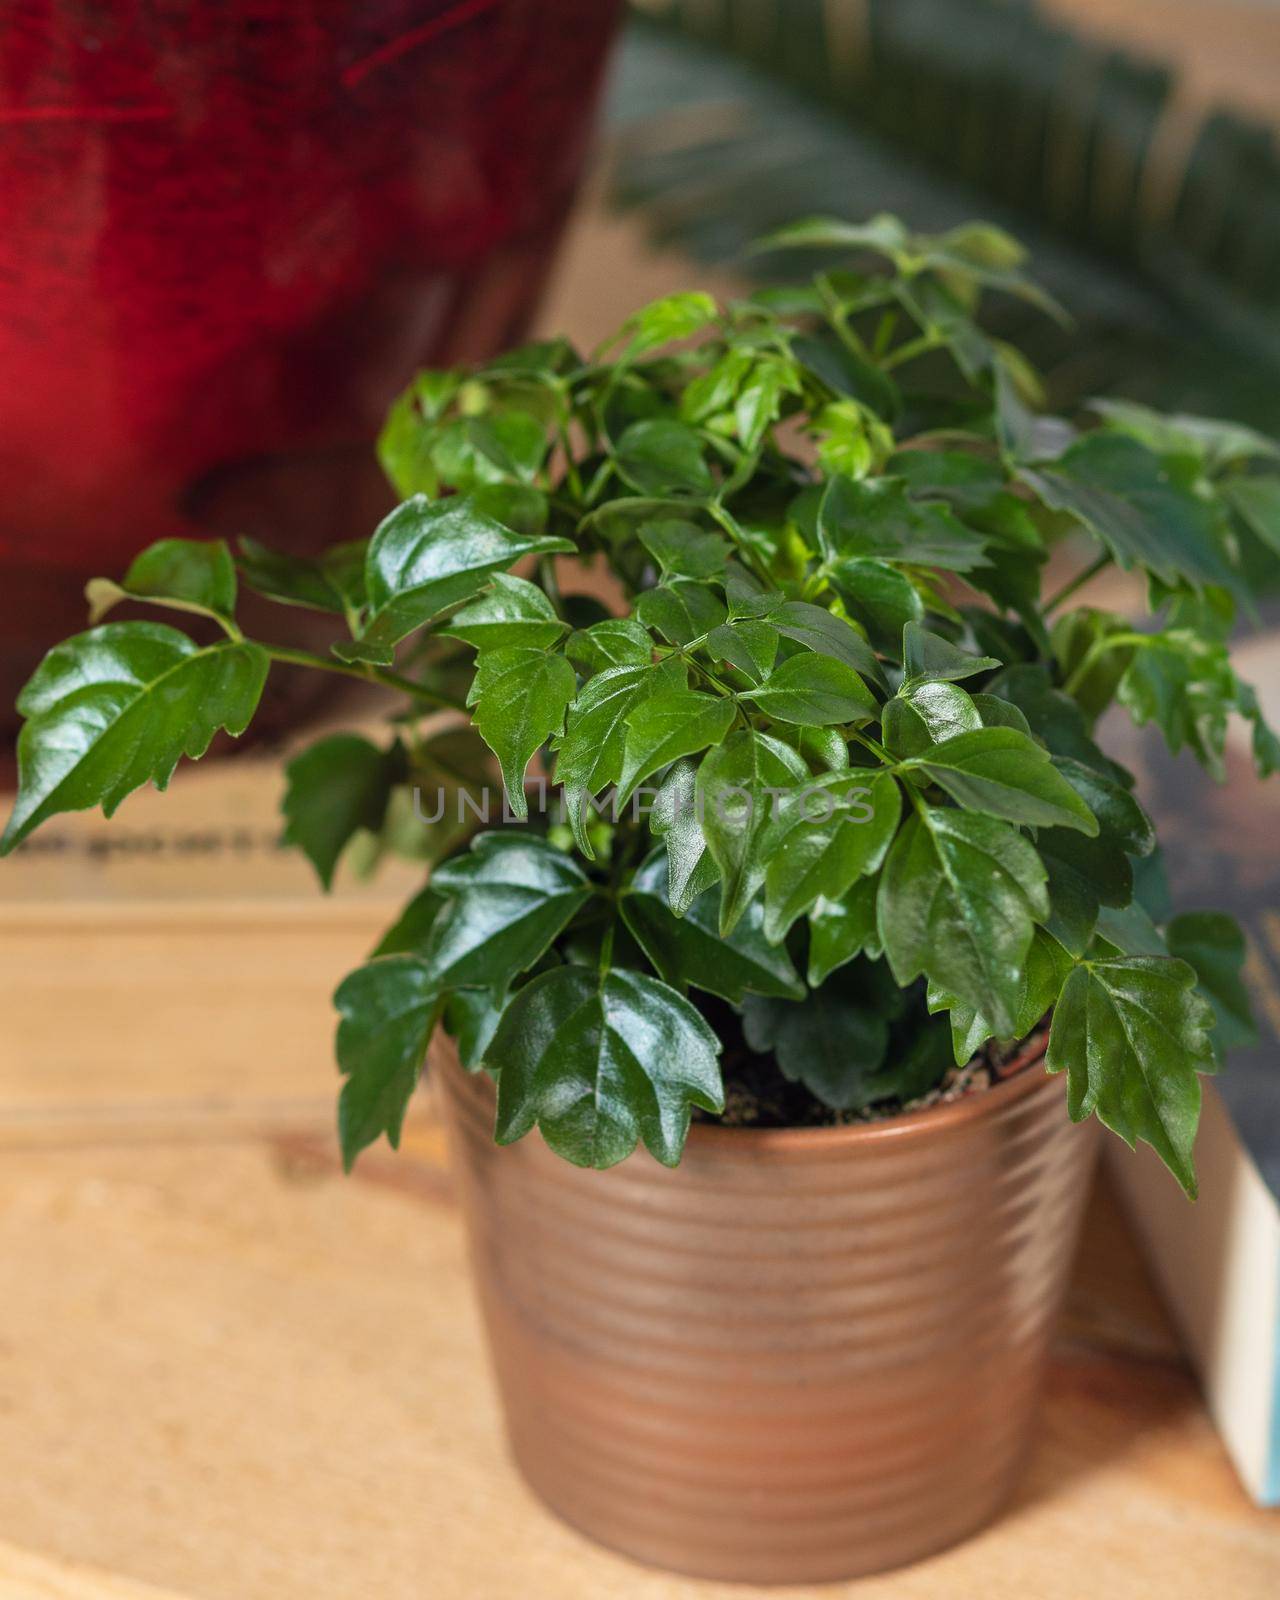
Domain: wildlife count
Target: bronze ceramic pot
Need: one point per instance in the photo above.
(802, 1355)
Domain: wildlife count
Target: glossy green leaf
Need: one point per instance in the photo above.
(829, 635)
(841, 929)
(1132, 1035)
(615, 642)
(1052, 716)
(678, 722)
(388, 1010)
(876, 519)
(689, 950)
(749, 644)
(1004, 773)
(590, 754)
(928, 656)
(880, 597)
(1047, 968)
(737, 788)
(427, 556)
(680, 611)
(827, 833)
(599, 1061)
(510, 611)
(511, 894)
(928, 715)
(817, 691)
(335, 787)
(959, 896)
(117, 707)
(195, 575)
(684, 550)
(410, 932)
(520, 696)
(691, 868)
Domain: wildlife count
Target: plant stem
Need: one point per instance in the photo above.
(910, 350)
(366, 673)
(874, 745)
(1095, 652)
(1078, 582)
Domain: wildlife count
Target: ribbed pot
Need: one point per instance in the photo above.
(804, 1354)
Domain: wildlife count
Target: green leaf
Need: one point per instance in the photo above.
(1006, 774)
(691, 869)
(675, 316)
(847, 374)
(1085, 874)
(410, 932)
(683, 550)
(661, 456)
(334, 788)
(1216, 444)
(832, 1043)
(884, 233)
(590, 753)
(959, 896)
(998, 713)
(688, 949)
(510, 611)
(1052, 716)
(1126, 497)
(1048, 965)
(929, 657)
(118, 706)
(747, 643)
(816, 691)
(829, 832)
(1132, 1035)
(736, 799)
(678, 722)
(1213, 943)
(427, 556)
(471, 1017)
(331, 582)
(599, 1061)
(615, 642)
(388, 1009)
(1257, 500)
(185, 574)
(511, 894)
(876, 519)
(841, 929)
(828, 635)
(681, 611)
(880, 597)
(1185, 685)
(928, 715)
(520, 696)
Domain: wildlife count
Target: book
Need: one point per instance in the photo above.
(1218, 1260)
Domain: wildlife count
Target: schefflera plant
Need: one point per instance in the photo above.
(877, 832)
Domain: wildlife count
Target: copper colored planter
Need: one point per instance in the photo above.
(802, 1355)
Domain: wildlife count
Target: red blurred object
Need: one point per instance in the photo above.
(230, 229)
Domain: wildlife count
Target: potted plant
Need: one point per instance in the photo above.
(831, 868)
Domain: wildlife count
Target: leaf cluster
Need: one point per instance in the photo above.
(826, 764)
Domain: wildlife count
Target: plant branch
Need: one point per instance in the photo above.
(1076, 583)
(366, 673)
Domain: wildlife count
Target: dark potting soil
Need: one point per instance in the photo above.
(758, 1096)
